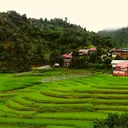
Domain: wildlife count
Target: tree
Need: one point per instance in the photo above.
(1, 48)
(56, 58)
(66, 19)
(113, 121)
(79, 62)
(93, 57)
(31, 41)
(107, 62)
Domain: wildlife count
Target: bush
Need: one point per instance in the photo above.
(97, 65)
(79, 62)
(113, 121)
(3, 70)
(107, 62)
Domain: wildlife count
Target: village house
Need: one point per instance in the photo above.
(86, 51)
(115, 52)
(118, 51)
(124, 52)
(91, 50)
(83, 52)
(67, 59)
(120, 67)
(115, 62)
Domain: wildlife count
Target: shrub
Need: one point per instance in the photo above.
(97, 65)
(107, 62)
(113, 121)
(79, 62)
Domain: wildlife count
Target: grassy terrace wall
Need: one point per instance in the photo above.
(65, 102)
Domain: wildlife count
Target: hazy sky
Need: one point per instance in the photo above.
(92, 14)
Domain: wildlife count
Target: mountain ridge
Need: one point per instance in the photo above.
(120, 36)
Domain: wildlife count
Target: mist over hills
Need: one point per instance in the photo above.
(120, 35)
(109, 29)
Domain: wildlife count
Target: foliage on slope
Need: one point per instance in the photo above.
(28, 41)
(120, 36)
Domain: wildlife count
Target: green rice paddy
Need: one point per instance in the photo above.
(63, 100)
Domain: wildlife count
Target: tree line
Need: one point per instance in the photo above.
(27, 41)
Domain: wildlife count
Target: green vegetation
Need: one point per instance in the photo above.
(9, 82)
(21, 80)
(60, 98)
(119, 36)
(113, 121)
(26, 42)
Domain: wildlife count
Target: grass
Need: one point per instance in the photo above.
(8, 82)
(72, 115)
(45, 122)
(60, 98)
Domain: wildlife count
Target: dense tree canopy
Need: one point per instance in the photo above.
(28, 41)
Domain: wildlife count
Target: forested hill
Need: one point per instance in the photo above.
(120, 36)
(28, 41)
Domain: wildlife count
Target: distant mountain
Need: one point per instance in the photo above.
(120, 36)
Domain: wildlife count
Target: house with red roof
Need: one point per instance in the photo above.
(121, 69)
(67, 59)
(115, 52)
(91, 50)
(120, 52)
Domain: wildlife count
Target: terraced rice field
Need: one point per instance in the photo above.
(68, 103)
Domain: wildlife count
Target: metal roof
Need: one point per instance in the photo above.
(83, 50)
(92, 49)
(125, 50)
(118, 61)
(67, 56)
(116, 50)
(122, 64)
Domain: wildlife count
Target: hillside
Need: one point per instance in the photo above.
(120, 36)
(61, 98)
(28, 41)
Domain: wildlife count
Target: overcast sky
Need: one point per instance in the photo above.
(95, 15)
